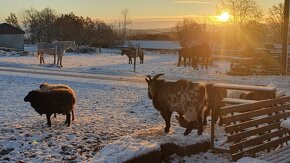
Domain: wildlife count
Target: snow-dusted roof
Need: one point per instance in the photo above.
(9, 29)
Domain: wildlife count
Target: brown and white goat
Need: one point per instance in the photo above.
(184, 97)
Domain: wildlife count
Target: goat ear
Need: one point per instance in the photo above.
(149, 77)
(147, 80)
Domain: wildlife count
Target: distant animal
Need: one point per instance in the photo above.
(186, 54)
(194, 53)
(46, 48)
(202, 51)
(57, 101)
(131, 53)
(61, 47)
(46, 87)
(188, 99)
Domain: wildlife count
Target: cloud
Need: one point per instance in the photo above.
(191, 2)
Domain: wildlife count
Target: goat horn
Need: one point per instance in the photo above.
(149, 77)
(157, 76)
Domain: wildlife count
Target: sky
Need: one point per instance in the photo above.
(144, 14)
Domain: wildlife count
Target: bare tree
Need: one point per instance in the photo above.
(39, 24)
(242, 11)
(12, 20)
(275, 22)
(189, 32)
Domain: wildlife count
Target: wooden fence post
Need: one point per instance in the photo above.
(284, 58)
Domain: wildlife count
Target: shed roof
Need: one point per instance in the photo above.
(9, 29)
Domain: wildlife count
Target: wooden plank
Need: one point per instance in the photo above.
(245, 87)
(255, 122)
(237, 101)
(252, 152)
(257, 140)
(248, 133)
(277, 156)
(244, 116)
(254, 106)
(221, 150)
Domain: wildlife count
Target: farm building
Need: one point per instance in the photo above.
(11, 37)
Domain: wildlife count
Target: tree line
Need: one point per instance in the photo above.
(46, 26)
(249, 26)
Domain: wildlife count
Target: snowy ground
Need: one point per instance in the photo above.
(106, 110)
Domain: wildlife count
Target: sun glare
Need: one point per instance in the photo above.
(225, 16)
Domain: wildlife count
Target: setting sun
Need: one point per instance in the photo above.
(225, 16)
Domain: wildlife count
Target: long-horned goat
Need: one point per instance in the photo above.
(57, 101)
(184, 97)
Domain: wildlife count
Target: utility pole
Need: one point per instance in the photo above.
(284, 57)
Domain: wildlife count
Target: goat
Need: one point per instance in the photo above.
(46, 87)
(214, 99)
(57, 101)
(194, 53)
(184, 97)
(131, 53)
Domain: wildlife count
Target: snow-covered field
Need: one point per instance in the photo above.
(106, 111)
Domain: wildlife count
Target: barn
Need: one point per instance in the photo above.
(11, 37)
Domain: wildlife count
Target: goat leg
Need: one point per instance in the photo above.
(73, 115)
(67, 121)
(179, 60)
(200, 125)
(187, 131)
(166, 116)
(48, 119)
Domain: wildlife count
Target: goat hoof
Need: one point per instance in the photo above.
(199, 133)
(186, 133)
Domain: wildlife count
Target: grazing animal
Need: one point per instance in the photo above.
(131, 53)
(46, 48)
(46, 87)
(57, 101)
(184, 97)
(194, 53)
(59, 49)
(186, 53)
(62, 46)
(203, 51)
